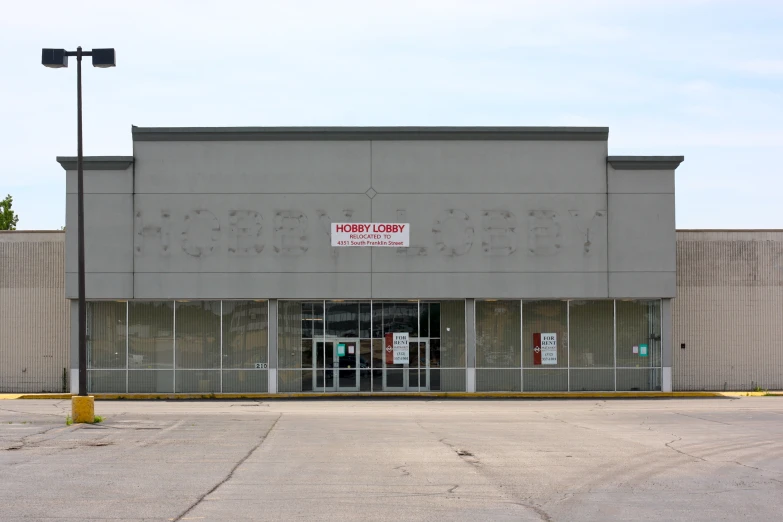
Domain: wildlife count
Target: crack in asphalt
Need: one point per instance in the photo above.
(699, 418)
(757, 469)
(22, 443)
(465, 455)
(556, 419)
(537, 510)
(29, 413)
(230, 474)
(702, 459)
(678, 439)
(474, 461)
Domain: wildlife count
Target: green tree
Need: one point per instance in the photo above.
(8, 219)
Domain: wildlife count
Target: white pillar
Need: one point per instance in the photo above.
(666, 345)
(272, 343)
(470, 345)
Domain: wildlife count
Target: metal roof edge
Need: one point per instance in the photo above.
(645, 162)
(97, 162)
(730, 230)
(368, 133)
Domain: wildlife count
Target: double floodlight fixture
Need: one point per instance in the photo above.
(57, 58)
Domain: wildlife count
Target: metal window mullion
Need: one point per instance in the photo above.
(221, 345)
(614, 339)
(269, 340)
(323, 341)
(568, 333)
(127, 344)
(521, 347)
(372, 362)
(418, 345)
(660, 341)
(650, 346)
(174, 353)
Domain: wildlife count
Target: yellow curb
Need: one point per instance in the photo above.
(60, 396)
(9, 396)
(750, 394)
(401, 395)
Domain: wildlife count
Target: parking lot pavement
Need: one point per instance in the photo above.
(705, 459)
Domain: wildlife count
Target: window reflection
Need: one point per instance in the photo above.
(245, 333)
(151, 335)
(198, 335)
(342, 319)
(106, 335)
(395, 317)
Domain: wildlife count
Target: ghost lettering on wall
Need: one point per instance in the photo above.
(451, 233)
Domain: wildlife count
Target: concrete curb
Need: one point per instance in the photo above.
(754, 394)
(385, 395)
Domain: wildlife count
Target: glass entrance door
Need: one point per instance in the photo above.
(337, 365)
(347, 363)
(418, 367)
(414, 376)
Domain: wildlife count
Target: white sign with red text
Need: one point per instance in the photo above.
(370, 234)
(401, 348)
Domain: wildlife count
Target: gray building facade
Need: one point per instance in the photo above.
(210, 266)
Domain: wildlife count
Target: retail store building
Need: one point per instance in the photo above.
(531, 261)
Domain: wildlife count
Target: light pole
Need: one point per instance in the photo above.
(83, 408)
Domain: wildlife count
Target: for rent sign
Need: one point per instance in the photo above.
(370, 234)
(544, 348)
(396, 347)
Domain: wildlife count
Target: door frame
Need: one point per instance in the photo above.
(406, 385)
(332, 374)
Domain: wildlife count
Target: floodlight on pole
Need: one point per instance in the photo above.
(58, 58)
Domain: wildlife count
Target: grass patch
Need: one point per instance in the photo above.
(69, 420)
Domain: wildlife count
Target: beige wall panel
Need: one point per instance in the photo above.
(729, 311)
(34, 325)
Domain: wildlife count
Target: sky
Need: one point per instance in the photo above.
(698, 78)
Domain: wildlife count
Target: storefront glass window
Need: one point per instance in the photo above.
(547, 371)
(638, 345)
(222, 346)
(451, 319)
(342, 319)
(107, 335)
(326, 345)
(297, 322)
(151, 335)
(591, 345)
(150, 346)
(197, 334)
(498, 346)
(245, 333)
(245, 346)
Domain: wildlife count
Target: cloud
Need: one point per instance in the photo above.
(762, 67)
(666, 76)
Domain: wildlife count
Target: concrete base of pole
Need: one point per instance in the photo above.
(83, 409)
